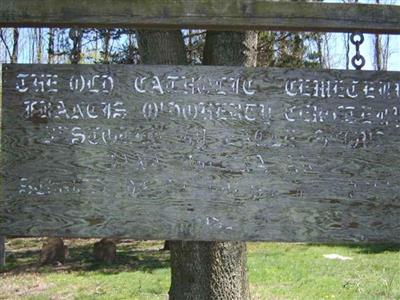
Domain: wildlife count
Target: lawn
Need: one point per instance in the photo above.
(276, 271)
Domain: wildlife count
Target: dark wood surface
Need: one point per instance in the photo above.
(2, 251)
(286, 155)
(206, 14)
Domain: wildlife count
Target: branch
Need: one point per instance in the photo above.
(5, 44)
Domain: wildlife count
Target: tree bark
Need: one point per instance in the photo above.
(39, 45)
(14, 57)
(161, 47)
(378, 49)
(106, 46)
(347, 46)
(377, 52)
(208, 270)
(215, 270)
(204, 270)
(75, 34)
(2, 251)
(230, 48)
(50, 48)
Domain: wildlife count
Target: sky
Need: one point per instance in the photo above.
(337, 50)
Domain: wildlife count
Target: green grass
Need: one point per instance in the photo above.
(276, 271)
(299, 271)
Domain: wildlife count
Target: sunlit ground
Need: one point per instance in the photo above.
(276, 271)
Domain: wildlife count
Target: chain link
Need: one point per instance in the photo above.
(358, 61)
(75, 33)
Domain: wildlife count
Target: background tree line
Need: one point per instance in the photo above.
(275, 49)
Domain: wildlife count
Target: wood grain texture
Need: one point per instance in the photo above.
(200, 153)
(206, 14)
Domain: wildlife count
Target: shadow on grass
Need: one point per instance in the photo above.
(367, 248)
(375, 248)
(80, 259)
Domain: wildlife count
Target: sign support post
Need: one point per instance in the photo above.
(2, 251)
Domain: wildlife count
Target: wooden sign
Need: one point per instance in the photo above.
(200, 153)
(236, 15)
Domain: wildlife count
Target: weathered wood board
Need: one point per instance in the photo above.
(203, 14)
(2, 251)
(200, 153)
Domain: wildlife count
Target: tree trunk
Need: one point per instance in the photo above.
(2, 251)
(75, 34)
(204, 270)
(378, 49)
(39, 45)
(215, 270)
(161, 47)
(347, 46)
(231, 48)
(377, 52)
(14, 57)
(50, 49)
(208, 270)
(106, 46)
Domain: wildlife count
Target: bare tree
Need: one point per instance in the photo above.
(39, 42)
(381, 46)
(326, 50)
(14, 56)
(11, 53)
(50, 47)
(75, 34)
(106, 35)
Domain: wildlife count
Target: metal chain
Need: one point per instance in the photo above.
(75, 33)
(358, 61)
